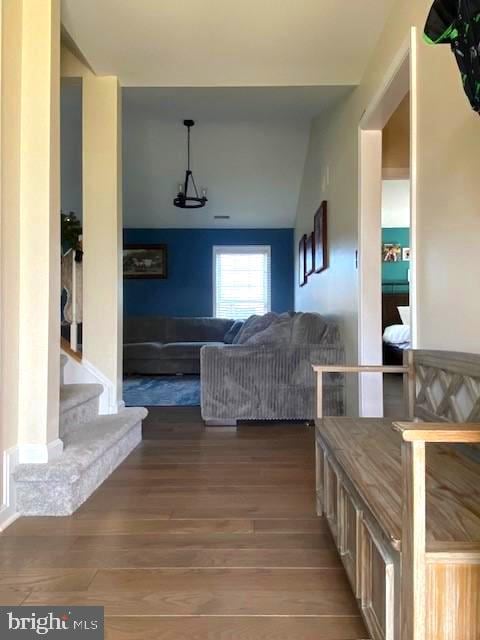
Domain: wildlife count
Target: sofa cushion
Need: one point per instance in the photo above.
(144, 329)
(308, 328)
(171, 351)
(253, 325)
(186, 350)
(142, 351)
(278, 332)
(197, 329)
(232, 332)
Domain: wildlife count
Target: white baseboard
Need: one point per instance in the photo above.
(8, 509)
(86, 373)
(39, 453)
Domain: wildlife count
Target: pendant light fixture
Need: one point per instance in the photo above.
(186, 199)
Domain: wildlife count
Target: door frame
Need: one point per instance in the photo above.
(400, 78)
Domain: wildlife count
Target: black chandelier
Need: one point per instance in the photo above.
(183, 199)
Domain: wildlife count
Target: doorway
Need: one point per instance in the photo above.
(399, 83)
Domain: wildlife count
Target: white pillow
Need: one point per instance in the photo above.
(397, 334)
(404, 314)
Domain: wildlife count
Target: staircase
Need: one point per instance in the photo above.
(93, 447)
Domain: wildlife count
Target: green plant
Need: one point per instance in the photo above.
(71, 230)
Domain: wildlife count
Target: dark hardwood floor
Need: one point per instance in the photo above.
(200, 534)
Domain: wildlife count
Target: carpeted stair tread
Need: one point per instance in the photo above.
(82, 448)
(73, 395)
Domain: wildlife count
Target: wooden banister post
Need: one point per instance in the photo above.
(319, 395)
(319, 480)
(74, 312)
(409, 386)
(413, 612)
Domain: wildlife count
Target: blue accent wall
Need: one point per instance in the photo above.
(396, 271)
(188, 290)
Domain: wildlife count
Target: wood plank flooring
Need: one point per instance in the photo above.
(201, 534)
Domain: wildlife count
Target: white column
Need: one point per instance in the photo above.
(102, 227)
(102, 231)
(39, 271)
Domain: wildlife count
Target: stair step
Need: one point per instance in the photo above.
(58, 488)
(78, 406)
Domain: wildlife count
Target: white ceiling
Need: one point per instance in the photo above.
(248, 148)
(214, 104)
(227, 42)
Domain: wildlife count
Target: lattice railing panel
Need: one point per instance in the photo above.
(447, 396)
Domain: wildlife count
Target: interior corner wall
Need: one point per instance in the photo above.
(396, 138)
(448, 193)
(102, 221)
(71, 146)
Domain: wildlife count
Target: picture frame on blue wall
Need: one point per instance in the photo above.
(145, 261)
(302, 261)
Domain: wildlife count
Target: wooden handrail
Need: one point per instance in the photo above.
(65, 346)
(367, 368)
(320, 369)
(461, 433)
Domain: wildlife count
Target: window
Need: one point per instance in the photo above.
(241, 281)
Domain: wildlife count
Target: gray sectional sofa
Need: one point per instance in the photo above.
(257, 370)
(161, 345)
(267, 373)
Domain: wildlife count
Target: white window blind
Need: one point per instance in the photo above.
(241, 281)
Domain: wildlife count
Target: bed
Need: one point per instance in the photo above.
(396, 331)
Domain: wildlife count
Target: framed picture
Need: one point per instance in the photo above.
(310, 257)
(321, 238)
(302, 261)
(406, 254)
(391, 252)
(145, 261)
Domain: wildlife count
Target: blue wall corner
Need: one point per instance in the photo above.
(188, 290)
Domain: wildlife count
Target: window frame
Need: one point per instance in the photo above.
(242, 250)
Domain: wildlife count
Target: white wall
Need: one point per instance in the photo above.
(71, 145)
(395, 204)
(102, 222)
(447, 199)
(252, 170)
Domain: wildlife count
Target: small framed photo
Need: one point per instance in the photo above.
(406, 254)
(302, 259)
(145, 261)
(310, 258)
(320, 238)
(391, 253)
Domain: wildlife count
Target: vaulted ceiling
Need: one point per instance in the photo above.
(227, 42)
(252, 73)
(248, 148)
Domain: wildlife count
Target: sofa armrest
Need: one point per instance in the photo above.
(259, 360)
(268, 381)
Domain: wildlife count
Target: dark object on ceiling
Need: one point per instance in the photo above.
(183, 199)
(457, 22)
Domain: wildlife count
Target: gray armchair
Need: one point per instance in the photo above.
(268, 382)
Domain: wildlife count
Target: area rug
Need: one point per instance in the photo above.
(162, 391)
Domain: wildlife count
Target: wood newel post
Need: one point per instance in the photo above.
(413, 568)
